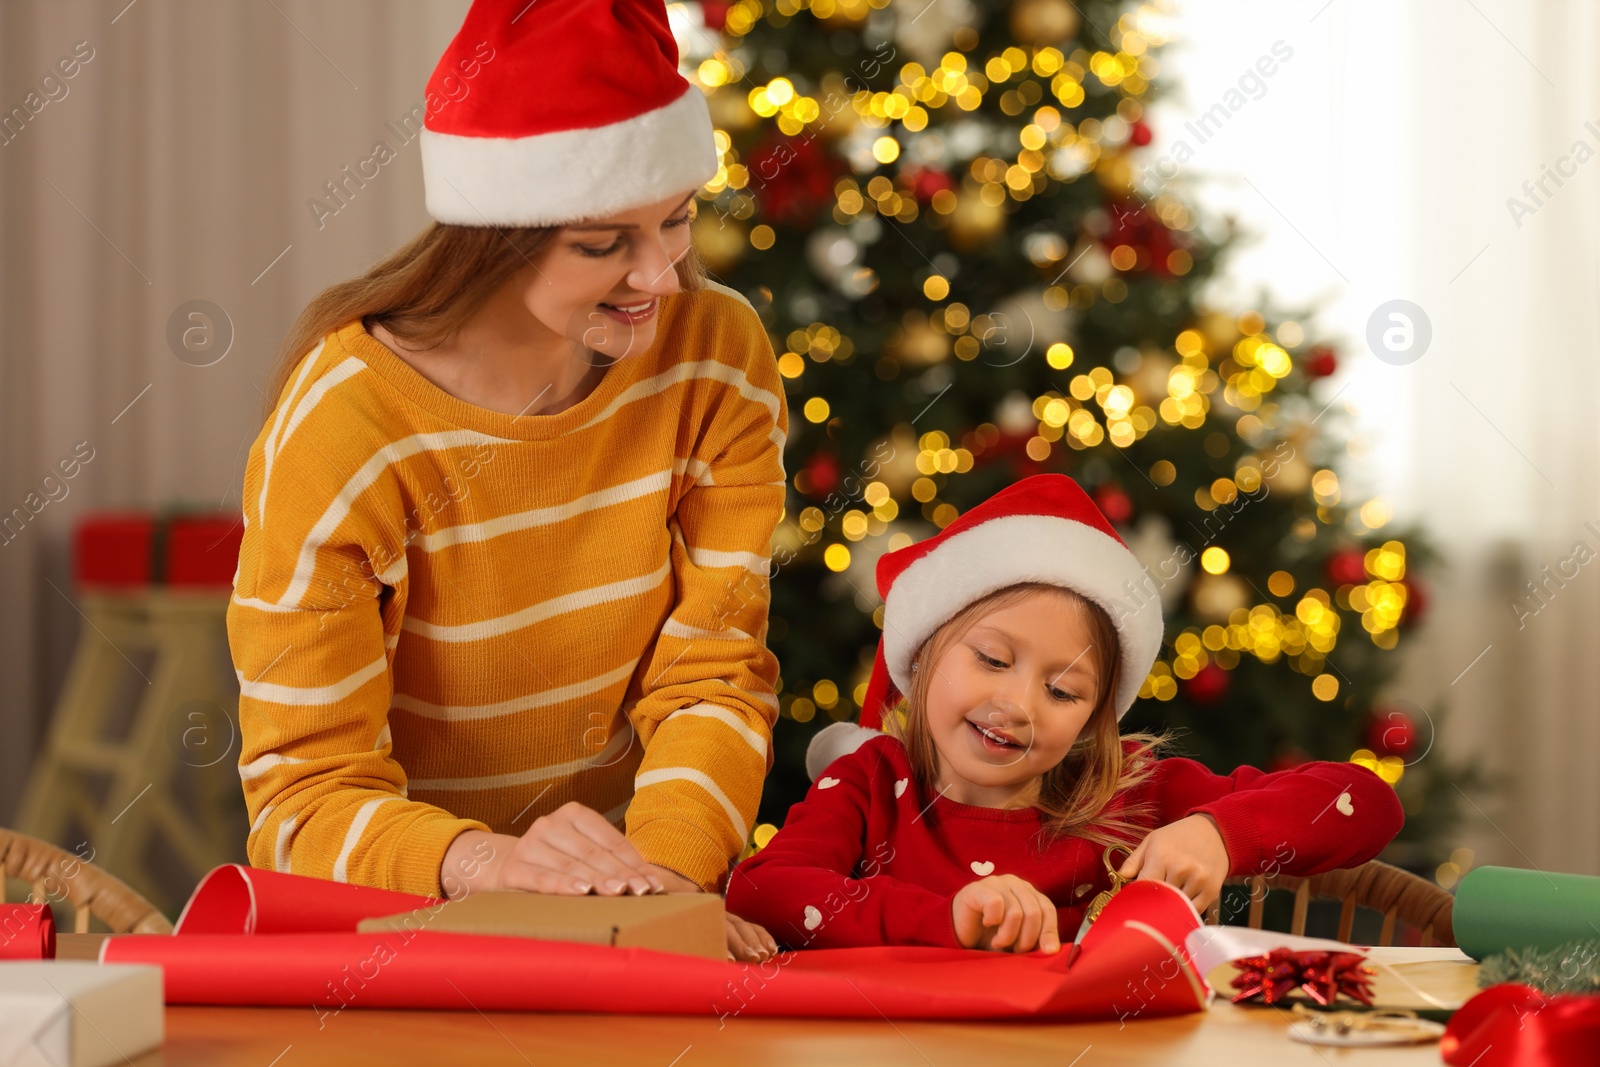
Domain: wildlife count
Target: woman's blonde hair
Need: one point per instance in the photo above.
(1074, 794)
(426, 290)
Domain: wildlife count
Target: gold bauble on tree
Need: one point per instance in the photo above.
(1216, 596)
(1043, 22)
(1150, 381)
(918, 344)
(720, 241)
(895, 456)
(731, 110)
(1115, 174)
(1220, 332)
(974, 223)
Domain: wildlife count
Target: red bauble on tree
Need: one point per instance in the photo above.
(714, 13)
(1320, 361)
(1347, 567)
(793, 179)
(1114, 503)
(1416, 602)
(1209, 685)
(821, 474)
(926, 181)
(1140, 134)
(1135, 225)
(1390, 732)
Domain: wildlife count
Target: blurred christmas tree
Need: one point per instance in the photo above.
(936, 206)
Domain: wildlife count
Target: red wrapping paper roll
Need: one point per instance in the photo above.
(466, 972)
(234, 899)
(1130, 966)
(27, 932)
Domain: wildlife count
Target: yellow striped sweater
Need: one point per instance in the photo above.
(446, 618)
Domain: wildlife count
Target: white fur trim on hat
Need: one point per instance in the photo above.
(831, 742)
(1024, 548)
(555, 178)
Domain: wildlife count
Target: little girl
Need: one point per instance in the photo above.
(1020, 634)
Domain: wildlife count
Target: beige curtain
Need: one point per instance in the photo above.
(1380, 161)
(174, 164)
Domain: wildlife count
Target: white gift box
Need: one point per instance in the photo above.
(78, 1014)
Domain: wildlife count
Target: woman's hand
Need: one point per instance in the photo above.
(573, 850)
(747, 942)
(1004, 913)
(1189, 854)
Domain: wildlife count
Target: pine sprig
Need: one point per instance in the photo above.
(1572, 967)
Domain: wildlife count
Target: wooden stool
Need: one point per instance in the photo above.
(168, 771)
(1398, 895)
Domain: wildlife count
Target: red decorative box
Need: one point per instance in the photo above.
(134, 549)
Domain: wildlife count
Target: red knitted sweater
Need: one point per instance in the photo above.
(865, 860)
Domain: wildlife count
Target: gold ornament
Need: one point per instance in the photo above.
(1216, 596)
(720, 242)
(1043, 22)
(918, 344)
(974, 223)
(731, 110)
(1115, 174)
(1149, 382)
(1220, 332)
(896, 457)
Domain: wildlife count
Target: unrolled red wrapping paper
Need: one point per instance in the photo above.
(27, 932)
(1132, 965)
(234, 899)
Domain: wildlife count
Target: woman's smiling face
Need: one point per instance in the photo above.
(599, 282)
(1009, 697)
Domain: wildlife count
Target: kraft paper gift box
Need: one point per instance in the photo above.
(78, 1014)
(687, 923)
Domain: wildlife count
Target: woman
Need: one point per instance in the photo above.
(503, 586)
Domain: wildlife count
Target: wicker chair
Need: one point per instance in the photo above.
(1397, 894)
(90, 890)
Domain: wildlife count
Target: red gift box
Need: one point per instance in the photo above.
(137, 549)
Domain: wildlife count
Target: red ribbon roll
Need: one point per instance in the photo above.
(27, 932)
(1513, 1025)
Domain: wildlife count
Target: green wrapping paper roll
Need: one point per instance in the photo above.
(1497, 908)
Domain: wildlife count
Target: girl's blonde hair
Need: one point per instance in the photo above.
(426, 290)
(1074, 794)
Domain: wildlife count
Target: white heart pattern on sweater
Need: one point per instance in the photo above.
(982, 869)
(900, 787)
(1344, 805)
(813, 918)
(827, 783)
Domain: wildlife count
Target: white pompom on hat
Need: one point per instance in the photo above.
(545, 113)
(1041, 529)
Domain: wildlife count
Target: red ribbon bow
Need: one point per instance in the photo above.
(1324, 976)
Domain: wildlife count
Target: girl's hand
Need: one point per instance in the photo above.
(748, 942)
(1004, 913)
(1189, 854)
(573, 850)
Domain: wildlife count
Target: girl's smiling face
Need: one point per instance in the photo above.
(1008, 698)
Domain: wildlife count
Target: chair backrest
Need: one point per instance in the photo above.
(1398, 895)
(54, 874)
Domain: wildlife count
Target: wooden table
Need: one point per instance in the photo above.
(1225, 1036)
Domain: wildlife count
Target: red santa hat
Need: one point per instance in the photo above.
(543, 112)
(1041, 529)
